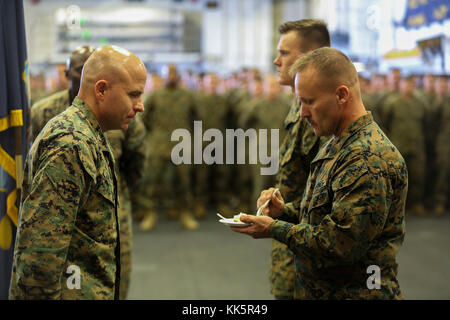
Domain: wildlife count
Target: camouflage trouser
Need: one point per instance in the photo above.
(222, 178)
(244, 186)
(415, 163)
(124, 213)
(165, 185)
(431, 172)
(213, 184)
(202, 184)
(140, 201)
(442, 189)
(282, 271)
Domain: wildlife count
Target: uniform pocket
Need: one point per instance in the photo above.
(105, 180)
(106, 190)
(320, 198)
(320, 206)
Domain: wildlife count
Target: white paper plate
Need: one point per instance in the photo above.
(230, 222)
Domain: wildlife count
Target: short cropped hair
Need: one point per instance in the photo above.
(313, 31)
(330, 64)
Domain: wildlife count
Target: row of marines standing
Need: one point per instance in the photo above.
(417, 121)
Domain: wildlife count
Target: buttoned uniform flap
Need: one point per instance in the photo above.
(106, 178)
(320, 197)
(104, 186)
(344, 177)
(101, 176)
(87, 160)
(348, 175)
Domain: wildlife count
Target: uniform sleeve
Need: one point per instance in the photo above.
(359, 209)
(48, 215)
(291, 212)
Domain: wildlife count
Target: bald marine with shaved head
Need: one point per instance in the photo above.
(67, 244)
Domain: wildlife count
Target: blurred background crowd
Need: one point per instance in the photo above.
(212, 61)
(413, 109)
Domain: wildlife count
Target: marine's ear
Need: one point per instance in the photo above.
(342, 94)
(101, 86)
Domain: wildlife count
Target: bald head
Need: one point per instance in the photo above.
(112, 76)
(110, 63)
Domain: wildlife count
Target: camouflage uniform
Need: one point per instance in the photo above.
(237, 99)
(371, 102)
(211, 180)
(127, 143)
(382, 110)
(45, 109)
(443, 156)
(37, 95)
(245, 118)
(266, 114)
(351, 217)
(432, 121)
(165, 183)
(405, 125)
(68, 214)
(298, 149)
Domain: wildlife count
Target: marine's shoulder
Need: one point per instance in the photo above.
(59, 98)
(373, 147)
(70, 133)
(71, 123)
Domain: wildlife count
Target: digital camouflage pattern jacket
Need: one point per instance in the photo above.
(68, 215)
(352, 217)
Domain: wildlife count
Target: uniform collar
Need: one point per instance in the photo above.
(335, 144)
(88, 115)
(294, 113)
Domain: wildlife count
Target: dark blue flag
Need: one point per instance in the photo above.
(13, 111)
(424, 12)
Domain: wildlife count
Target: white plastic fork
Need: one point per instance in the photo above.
(221, 216)
(258, 213)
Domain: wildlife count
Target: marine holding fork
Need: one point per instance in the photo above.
(351, 215)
